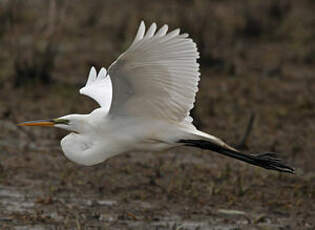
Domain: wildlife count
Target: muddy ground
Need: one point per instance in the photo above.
(257, 57)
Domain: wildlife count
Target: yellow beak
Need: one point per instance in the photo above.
(38, 123)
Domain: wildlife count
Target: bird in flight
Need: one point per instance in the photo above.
(145, 99)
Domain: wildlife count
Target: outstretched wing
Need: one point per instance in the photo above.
(157, 76)
(99, 87)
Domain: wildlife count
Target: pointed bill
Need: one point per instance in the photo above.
(38, 123)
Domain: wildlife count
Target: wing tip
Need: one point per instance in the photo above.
(151, 31)
(102, 73)
(92, 70)
(92, 75)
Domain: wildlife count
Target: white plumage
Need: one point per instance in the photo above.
(145, 100)
(99, 87)
(156, 77)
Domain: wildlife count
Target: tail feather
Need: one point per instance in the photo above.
(264, 160)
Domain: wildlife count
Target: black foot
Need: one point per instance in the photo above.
(270, 160)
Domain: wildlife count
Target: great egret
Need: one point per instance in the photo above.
(145, 99)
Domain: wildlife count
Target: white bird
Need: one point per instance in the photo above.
(145, 99)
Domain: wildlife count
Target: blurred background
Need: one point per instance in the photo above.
(257, 61)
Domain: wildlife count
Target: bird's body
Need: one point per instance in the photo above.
(88, 145)
(145, 100)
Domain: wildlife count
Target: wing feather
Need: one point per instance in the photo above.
(150, 31)
(157, 76)
(92, 76)
(162, 31)
(99, 88)
(140, 33)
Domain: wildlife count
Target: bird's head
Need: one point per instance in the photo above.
(73, 122)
